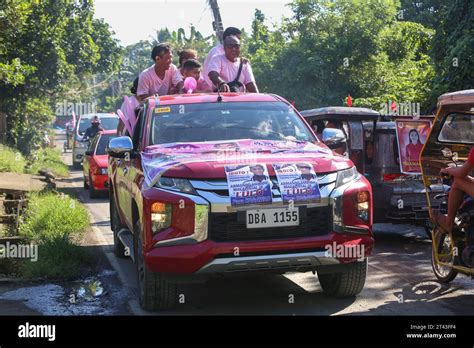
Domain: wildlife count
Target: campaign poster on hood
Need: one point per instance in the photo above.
(298, 182)
(249, 184)
(411, 135)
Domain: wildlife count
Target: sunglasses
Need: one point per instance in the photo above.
(233, 46)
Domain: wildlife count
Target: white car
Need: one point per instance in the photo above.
(108, 121)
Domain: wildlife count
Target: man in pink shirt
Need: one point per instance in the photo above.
(158, 78)
(224, 68)
(218, 50)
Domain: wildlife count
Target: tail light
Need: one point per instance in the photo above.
(392, 177)
(101, 171)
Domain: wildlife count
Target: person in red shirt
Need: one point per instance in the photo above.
(413, 149)
(462, 184)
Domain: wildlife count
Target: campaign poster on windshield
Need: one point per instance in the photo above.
(411, 135)
(298, 182)
(249, 184)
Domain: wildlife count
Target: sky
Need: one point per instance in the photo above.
(133, 21)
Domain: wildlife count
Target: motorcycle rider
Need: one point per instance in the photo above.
(93, 129)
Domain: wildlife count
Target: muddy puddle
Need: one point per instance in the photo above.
(97, 295)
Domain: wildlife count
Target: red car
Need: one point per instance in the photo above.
(95, 163)
(216, 185)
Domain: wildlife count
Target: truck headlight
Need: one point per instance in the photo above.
(363, 205)
(176, 184)
(160, 216)
(101, 171)
(346, 175)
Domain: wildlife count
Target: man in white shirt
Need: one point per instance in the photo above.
(224, 68)
(218, 50)
(158, 78)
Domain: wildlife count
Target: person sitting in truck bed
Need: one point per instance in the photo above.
(160, 77)
(228, 71)
(218, 50)
(192, 68)
(184, 56)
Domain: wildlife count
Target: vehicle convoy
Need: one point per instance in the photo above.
(448, 145)
(109, 121)
(371, 143)
(212, 185)
(94, 167)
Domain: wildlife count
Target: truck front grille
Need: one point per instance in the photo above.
(231, 227)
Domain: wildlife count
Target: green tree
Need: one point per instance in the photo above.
(179, 41)
(453, 49)
(49, 50)
(316, 49)
(399, 70)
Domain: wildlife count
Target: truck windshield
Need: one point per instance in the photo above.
(227, 121)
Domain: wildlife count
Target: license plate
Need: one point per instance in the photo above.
(279, 217)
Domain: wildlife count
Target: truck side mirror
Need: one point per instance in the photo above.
(120, 146)
(333, 138)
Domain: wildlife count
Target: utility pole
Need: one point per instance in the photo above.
(217, 24)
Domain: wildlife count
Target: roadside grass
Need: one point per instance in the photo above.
(11, 160)
(56, 224)
(50, 159)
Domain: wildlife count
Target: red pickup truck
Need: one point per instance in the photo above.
(213, 184)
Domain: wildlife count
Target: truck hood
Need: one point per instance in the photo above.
(207, 160)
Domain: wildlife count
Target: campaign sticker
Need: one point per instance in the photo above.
(298, 182)
(249, 184)
(162, 110)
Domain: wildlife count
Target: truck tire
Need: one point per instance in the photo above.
(345, 284)
(77, 165)
(154, 291)
(115, 225)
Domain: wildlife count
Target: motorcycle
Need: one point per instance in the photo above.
(448, 144)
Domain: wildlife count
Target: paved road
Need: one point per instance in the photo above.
(400, 280)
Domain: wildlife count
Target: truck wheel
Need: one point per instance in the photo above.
(154, 292)
(77, 165)
(115, 225)
(345, 284)
(92, 192)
